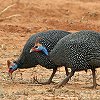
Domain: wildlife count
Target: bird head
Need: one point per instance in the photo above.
(37, 44)
(11, 67)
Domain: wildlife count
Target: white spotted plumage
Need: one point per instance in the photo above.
(76, 50)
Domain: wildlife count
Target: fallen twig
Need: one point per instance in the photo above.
(6, 9)
(9, 17)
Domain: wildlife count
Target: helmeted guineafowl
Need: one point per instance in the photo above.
(28, 60)
(78, 51)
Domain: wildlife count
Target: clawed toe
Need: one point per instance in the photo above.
(45, 83)
(92, 87)
(57, 86)
(98, 84)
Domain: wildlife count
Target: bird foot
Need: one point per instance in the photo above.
(58, 86)
(43, 83)
(92, 87)
(98, 84)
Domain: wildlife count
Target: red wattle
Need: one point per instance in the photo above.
(36, 50)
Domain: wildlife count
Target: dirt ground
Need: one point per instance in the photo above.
(30, 17)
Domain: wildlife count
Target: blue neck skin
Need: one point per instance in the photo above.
(14, 67)
(43, 49)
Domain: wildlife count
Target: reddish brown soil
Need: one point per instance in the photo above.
(36, 16)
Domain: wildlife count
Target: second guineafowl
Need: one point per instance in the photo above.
(78, 51)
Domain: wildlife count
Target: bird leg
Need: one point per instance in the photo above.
(66, 69)
(66, 79)
(67, 72)
(94, 80)
(50, 79)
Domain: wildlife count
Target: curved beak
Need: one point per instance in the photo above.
(31, 50)
(10, 75)
(9, 72)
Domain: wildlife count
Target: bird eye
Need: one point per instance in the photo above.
(36, 46)
(10, 68)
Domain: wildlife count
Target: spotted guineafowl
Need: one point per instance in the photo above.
(28, 60)
(78, 51)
